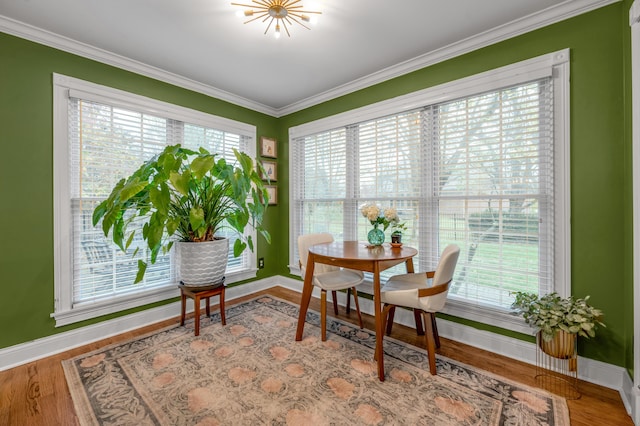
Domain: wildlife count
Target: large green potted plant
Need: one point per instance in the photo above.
(559, 320)
(186, 196)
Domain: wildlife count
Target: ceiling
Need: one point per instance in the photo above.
(203, 45)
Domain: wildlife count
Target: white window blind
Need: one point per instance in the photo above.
(493, 191)
(390, 173)
(106, 144)
(108, 134)
(320, 188)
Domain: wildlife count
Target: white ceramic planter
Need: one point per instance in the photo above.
(201, 264)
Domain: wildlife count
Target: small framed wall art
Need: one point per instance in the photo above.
(272, 191)
(270, 170)
(268, 147)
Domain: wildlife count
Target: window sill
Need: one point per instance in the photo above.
(90, 310)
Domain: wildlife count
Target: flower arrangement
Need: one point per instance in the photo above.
(378, 216)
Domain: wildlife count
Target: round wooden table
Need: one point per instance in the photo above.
(359, 256)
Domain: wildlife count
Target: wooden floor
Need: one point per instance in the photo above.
(37, 393)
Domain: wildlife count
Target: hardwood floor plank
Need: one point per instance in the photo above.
(37, 393)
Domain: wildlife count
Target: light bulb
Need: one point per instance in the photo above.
(277, 33)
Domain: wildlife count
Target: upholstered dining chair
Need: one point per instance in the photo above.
(328, 278)
(415, 291)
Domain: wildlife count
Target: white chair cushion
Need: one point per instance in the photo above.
(402, 290)
(327, 277)
(338, 280)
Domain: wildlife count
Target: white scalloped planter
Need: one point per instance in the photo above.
(201, 264)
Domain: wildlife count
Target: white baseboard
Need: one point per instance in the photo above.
(631, 398)
(607, 375)
(635, 402)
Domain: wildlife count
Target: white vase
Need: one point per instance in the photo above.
(201, 264)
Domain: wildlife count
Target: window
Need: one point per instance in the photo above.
(480, 162)
(101, 136)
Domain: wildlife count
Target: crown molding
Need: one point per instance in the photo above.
(551, 15)
(47, 38)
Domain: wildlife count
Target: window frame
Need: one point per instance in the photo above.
(554, 65)
(65, 87)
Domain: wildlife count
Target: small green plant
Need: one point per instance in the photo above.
(398, 228)
(551, 313)
(185, 195)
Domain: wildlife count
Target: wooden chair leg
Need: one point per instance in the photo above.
(207, 301)
(355, 299)
(418, 318)
(223, 319)
(435, 330)
(196, 301)
(323, 314)
(349, 300)
(431, 344)
(183, 310)
(392, 313)
(334, 297)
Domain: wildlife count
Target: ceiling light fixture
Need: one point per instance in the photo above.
(280, 11)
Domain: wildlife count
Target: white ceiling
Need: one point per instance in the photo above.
(202, 44)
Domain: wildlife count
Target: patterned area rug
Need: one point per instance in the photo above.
(253, 372)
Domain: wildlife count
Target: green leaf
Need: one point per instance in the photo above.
(238, 248)
(167, 248)
(110, 218)
(154, 253)
(180, 181)
(142, 268)
(99, 211)
(201, 165)
(196, 217)
(130, 239)
(118, 234)
(245, 161)
(155, 231)
(172, 225)
(169, 162)
(160, 198)
(131, 188)
(265, 234)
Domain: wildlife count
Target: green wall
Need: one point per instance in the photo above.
(600, 161)
(26, 175)
(600, 164)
